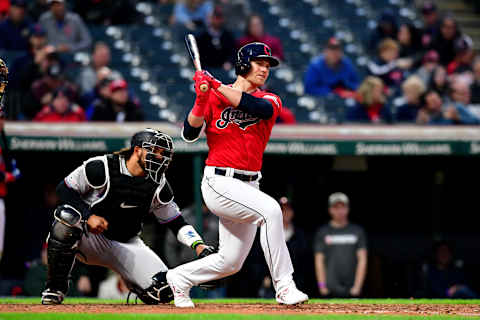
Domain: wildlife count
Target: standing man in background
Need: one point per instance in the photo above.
(340, 252)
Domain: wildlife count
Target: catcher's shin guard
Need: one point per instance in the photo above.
(62, 241)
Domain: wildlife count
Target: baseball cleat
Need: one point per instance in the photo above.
(181, 296)
(291, 295)
(50, 296)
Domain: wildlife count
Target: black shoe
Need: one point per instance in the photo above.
(50, 296)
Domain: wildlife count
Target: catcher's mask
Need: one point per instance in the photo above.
(159, 147)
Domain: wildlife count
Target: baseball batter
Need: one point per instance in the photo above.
(104, 202)
(239, 119)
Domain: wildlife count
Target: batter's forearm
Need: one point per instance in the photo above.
(233, 95)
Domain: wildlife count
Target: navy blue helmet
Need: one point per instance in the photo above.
(252, 51)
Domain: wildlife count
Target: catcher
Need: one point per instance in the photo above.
(103, 203)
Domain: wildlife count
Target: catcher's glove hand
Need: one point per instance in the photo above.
(208, 250)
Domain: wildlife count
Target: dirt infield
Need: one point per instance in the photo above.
(320, 308)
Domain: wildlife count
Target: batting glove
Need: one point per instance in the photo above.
(214, 83)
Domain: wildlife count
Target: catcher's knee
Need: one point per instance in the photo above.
(67, 227)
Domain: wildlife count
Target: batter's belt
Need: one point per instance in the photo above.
(239, 176)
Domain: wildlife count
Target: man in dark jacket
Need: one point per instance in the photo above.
(119, 107)
(216, 44)
(15, 30)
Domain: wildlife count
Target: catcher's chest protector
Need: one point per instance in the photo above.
(127, 202)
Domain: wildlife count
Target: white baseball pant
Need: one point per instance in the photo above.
(241, 207)
(134, 261)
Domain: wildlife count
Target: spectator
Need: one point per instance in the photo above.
(192, 14)
(62, 109)
(65, 30)
(409, 39)
(101, 92)
(36, 8)
(54, 78)
(370, 107)
(463, 56)
(445, 279)
(236, 13)
(113, 287)
(101, 57)
(432, 112)
(331, 71)
(4, 7)
(444, 41)
(119, 107)
(429, 63)
(216, 44)
(387, 66)
(37, 275)
(25, 70)
(439, 81)
(255, 32)
(431, 22)
(386, 28)
(340, 252)
(475, 87)
(413, 88)
(460, 94)
(15, 30)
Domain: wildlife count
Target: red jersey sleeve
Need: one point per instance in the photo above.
(275, 101)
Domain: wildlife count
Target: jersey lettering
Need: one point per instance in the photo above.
(238, 117)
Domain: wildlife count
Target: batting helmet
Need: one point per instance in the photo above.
(252, 51)
(159, 148)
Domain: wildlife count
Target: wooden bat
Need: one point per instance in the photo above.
(192, 48)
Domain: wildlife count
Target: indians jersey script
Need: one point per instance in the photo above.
(235, 138)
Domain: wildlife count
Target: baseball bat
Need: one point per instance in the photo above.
(192, 48)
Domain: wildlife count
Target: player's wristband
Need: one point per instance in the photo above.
(196, 244)
(188, 236)
(321, 285)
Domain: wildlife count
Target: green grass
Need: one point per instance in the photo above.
(263, 301)
(70, 316)
(127, 316)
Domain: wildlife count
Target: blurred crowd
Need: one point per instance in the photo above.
(427, 75)
(43, 85)
(423, 75)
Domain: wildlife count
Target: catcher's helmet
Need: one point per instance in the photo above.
(159, 148)
(252, 51)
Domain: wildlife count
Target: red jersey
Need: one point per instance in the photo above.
(47, 114)
(237, 139)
